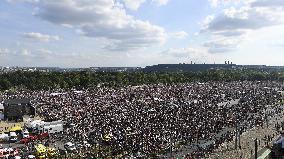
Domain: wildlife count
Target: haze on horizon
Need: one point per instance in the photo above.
(89, 33)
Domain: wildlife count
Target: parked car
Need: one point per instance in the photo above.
(13, 136)
(26, 134)
(28, 139)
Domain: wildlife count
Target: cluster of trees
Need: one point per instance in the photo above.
(50, 80)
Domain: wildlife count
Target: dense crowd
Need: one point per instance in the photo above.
(152, 119)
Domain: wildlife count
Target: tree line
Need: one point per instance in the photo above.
(84, 79)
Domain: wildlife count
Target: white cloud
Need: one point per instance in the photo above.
(103, 19)
(29, 1)
(44, 52)
(4, 51)
(216, 3)
(189, 52)
(25, 52)
(41, 57)
(179, 35)
(252, 15)
(206, 22)
(277, 43)
(268, 3)
(186, 55)
(160, 2)
(220, 44)
(15, 52)
(230, 33)
(32, 54)
(244, 18)
(234, 23)
(133, 4)
(41, 37)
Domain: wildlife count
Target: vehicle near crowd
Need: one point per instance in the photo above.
(13, 137)
(121, 121)
(38, 126)
(25, 133)
(43, 152)
(51, 129)
(17, 129)
(24, 136)
(32, 138)
(28, 139)
(40, 151)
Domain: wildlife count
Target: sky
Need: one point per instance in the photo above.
(107, 33)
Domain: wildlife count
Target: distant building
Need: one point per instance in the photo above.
(186, 67)
(115, 69)
(15, 109)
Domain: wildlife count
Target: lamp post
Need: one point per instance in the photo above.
(171, 142)
(237, 135)
(266, 119)
(255, 148)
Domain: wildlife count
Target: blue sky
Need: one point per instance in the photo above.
(88, 33)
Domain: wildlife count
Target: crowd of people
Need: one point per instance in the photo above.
(154, 119)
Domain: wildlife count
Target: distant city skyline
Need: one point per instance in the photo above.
(139, 33)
